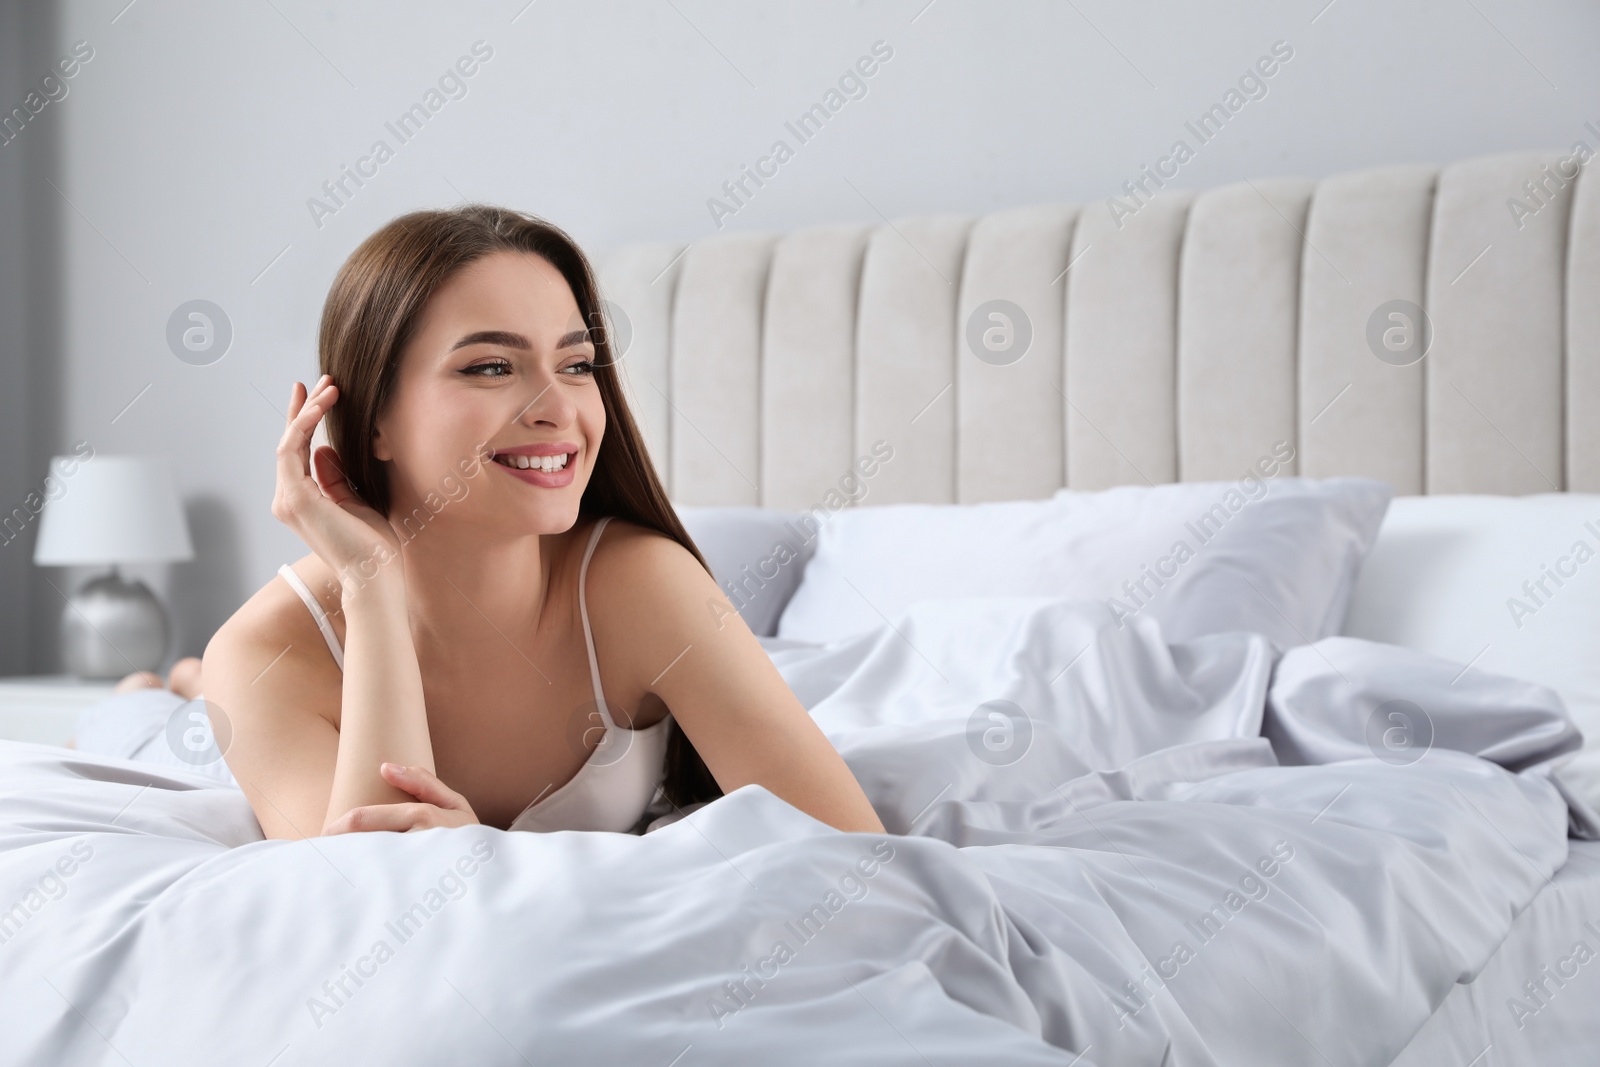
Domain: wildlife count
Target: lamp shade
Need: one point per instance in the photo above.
(115, 509)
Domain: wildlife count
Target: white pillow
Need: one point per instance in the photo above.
(1479, 580)
(755, 554)
(1273, 556)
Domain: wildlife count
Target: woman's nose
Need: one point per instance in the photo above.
(549, 406)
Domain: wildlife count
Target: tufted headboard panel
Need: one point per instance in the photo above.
(1169, 337)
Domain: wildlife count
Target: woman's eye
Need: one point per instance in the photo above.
(476, 367)
(582, 368)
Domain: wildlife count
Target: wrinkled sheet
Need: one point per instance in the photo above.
(1206, 853)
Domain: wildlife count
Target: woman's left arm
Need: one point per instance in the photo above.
(689, 646)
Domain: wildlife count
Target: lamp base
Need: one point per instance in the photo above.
(112, 627)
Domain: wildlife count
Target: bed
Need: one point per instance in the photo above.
(1298, 796)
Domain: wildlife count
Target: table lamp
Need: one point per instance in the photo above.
(116, 509)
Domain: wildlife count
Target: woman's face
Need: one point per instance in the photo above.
(501, 363)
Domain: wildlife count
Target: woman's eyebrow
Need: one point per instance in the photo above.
(506, 339)
(503, 338)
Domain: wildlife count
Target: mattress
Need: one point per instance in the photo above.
(1534, 1001)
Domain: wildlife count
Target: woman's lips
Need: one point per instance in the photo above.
(543, 479)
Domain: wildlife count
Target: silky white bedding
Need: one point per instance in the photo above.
(1554, 944)
(1507, 584)
(1201, 853)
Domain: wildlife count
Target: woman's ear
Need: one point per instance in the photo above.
(380, 447)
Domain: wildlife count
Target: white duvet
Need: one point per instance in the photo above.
(1102, 850)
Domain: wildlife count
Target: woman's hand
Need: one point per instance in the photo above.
(437, 805)
(347, 534)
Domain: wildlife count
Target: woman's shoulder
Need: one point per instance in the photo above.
(639, 552)
(275, 618)
(643, 572)
(649, 601)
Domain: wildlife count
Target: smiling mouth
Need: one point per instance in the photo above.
(548, 464)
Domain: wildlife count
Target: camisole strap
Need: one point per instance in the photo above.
(299, 586)
(588, 636)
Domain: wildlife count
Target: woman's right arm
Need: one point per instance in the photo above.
(280, 699)
(299, 772)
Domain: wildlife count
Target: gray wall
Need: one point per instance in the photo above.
(188, 147)
(31, 388)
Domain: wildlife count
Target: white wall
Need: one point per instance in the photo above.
(191, 142)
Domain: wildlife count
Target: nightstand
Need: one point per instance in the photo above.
(44, 708)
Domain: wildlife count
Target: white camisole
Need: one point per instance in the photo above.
(615, 786)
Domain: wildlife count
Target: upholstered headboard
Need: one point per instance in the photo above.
(1174, 337)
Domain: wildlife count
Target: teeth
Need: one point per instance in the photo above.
(544, 463)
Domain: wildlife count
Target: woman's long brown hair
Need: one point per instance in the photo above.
(373, 310)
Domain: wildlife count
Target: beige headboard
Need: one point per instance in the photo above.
(1175, 337)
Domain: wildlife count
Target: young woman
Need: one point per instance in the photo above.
(501, 619)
